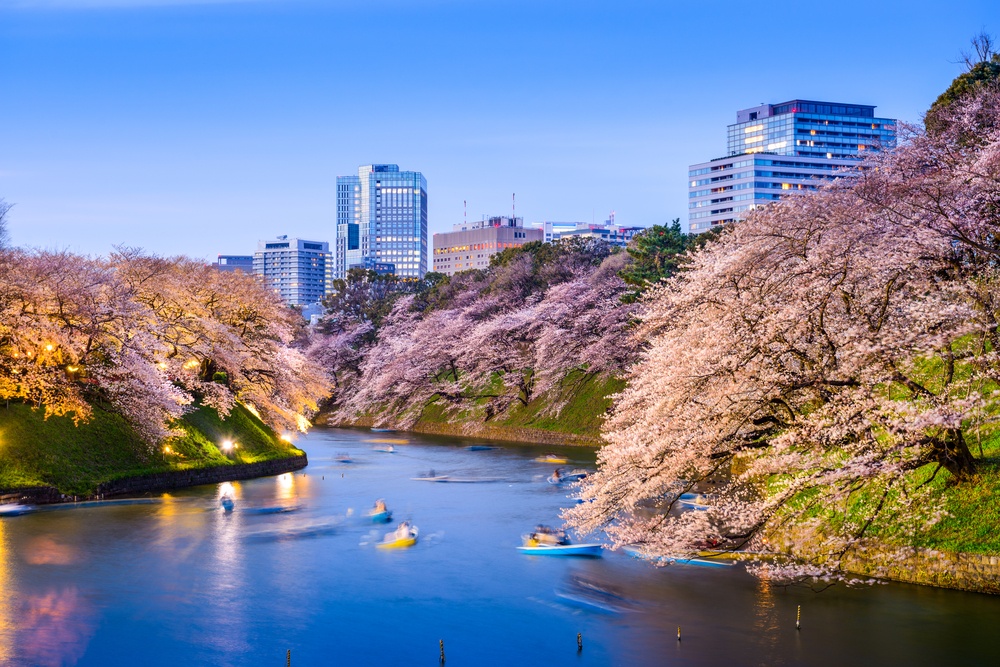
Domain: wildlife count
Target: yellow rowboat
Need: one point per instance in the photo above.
(393, 542)
(552, 458)
(390, 441)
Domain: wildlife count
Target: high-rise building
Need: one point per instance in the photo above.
(242, 263)
(774, 150)
(382, 219)
(296, 269)
(470, 246)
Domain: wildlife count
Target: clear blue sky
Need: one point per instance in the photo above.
(198, 127)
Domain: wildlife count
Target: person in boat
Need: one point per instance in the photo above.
(402, 531)
(379, 506)
(556, 475)
(548, 535)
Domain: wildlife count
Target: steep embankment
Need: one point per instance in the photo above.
(582, 402)
(38, 453)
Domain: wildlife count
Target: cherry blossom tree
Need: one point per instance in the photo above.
(817, 365)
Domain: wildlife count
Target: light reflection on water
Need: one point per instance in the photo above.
(184, 582)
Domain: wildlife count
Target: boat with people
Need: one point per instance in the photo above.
(380, 513)
(228, 503)
(558, 477)
(549, 457)
(548, 541)
(385, 449)
(480, 448)
(383, 430)
(403, 537)
(343, 457)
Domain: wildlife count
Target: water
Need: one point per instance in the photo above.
(182, 582)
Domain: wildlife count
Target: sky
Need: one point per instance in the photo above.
(199, 127)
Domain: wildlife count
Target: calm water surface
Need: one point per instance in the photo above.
(181, 582)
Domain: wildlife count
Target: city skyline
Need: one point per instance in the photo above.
(223, 122)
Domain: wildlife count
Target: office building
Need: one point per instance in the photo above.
(382, 219)
(470, 246)
(609, 231)
(242, 263)
(774, 150)
(296, 269)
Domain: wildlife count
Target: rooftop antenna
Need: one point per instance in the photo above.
(513, 205)
(465, 213)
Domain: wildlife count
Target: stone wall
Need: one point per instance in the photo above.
(963, 571)
(165, 481)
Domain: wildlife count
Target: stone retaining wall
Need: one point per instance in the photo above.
(164, 481)
(963, 571)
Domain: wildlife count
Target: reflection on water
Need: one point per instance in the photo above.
(54, 627)
(185, 582)
(48, 550)
(6, 599)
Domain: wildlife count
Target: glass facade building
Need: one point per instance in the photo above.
(297, 270)
(381, 219)
(774, 150)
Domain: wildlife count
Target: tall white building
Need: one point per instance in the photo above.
(382, 220)
(296, 269)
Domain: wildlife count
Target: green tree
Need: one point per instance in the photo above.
(983, 70)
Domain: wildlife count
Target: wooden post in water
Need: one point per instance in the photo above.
(579, 642)
(288, 658)
(441, 642)
(678, 633)
(798, 618)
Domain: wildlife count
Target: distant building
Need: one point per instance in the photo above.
(470, 246)
(609, 231)
(775, 150)
(295, 269)
(381, 218)
(242, 263)
(553, 230)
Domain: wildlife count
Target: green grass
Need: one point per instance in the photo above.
(585, 401)
(74, 459)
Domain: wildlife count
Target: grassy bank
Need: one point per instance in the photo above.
(75, 459)
(583, 401)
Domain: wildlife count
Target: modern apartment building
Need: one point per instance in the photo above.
(381, 219)
(296, 269)
(242, 263)
(470, 246)
(774, 150)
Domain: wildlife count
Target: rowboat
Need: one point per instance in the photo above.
(634, 552)
(574, 476)
(479, 448)
(15, 509)
(276, 509)
(383, 430)
(552, 458)
(385, 450)
(385, 516)
(393, 542)
(227, 503)
(533, 548)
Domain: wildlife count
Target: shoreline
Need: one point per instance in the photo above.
(162, 481)
(493, 432)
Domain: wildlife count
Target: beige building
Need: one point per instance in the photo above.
(470, 246)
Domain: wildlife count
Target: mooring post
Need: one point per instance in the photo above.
(441, 642)
(579, 642)
(798, 618)
(678, 633)
(288, 658)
